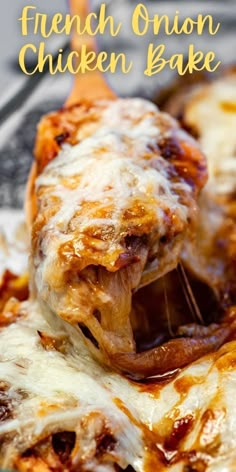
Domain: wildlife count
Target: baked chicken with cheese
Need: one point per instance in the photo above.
(112, 198)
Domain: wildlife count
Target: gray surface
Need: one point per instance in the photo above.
(17, 131)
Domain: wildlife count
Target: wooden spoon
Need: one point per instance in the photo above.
(92, 85)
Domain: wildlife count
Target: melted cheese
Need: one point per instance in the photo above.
(111, 167)
(95, 184)
(55, 390)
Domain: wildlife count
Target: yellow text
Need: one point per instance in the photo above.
(76, 62)
(66, 24)
(143, 23)
(196, 61)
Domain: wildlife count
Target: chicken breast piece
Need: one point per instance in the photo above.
(116, 190)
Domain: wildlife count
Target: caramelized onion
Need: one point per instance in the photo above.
(172, 355)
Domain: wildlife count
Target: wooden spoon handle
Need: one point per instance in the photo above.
(90, 85)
